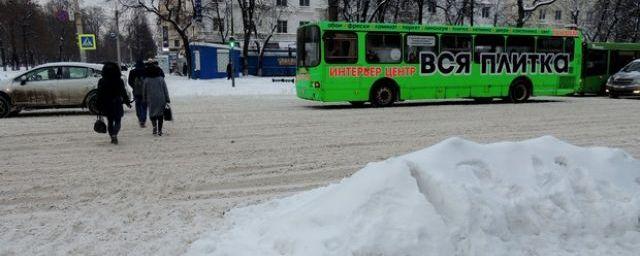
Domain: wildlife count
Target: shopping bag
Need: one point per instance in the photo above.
(99, 126)
(168, 115)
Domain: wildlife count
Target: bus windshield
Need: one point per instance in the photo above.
(308, 46)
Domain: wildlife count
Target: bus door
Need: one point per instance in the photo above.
(341, 56)
(594, 71)
(456, 83)
(383, 51)
(420, 86)
(489, 84)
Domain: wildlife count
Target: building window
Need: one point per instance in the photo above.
(281, 2)
(218, 24)
(304, 2)
(543, 14)
(302, 22)
(485, 11)
(176, 43)
(282, 26)
(558, 15)
(431, 6)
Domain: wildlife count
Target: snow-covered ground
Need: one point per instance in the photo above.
(536, 197)
(64, 190)
(250, 85)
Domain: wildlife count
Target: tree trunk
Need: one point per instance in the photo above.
(520, 20)
(420, 10)
(187, 51)
(471, 11)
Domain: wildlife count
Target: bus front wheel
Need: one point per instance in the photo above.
(519, 92)
(382, 96)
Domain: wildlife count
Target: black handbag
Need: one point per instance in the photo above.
(99, 126)
(168, 115)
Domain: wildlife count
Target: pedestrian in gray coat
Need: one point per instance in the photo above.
(156, 96)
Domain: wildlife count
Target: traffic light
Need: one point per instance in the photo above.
(232, 42)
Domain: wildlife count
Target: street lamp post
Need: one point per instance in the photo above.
(232, 44)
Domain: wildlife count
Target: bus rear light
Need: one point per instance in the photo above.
(316, 84)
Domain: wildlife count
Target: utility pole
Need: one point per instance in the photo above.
(117, 33)
(78, 20)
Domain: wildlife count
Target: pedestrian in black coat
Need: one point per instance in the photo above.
(136, 78)
(111, 95)
(229, 70)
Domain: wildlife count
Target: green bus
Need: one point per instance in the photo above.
(602, 60)
(385, 63)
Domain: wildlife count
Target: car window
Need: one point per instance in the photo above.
(74, 72)
(96, 72)
(632, 67)
(42, 74)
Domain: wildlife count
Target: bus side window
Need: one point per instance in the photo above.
(520, 44)
(619, 59)
(550, 45)
(417, 43)
(455, 43)
(569, 44)
(488, 44)
(341, 47)
(384, 48)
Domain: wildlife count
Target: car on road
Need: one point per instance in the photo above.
(626, 82)
(52, 85)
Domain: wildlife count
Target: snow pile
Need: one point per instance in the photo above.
(181, 86)
(8, 74)
(536, 197)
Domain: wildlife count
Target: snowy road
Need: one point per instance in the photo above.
(66, 190)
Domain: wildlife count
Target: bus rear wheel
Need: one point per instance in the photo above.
(382, 96)
(519, 92)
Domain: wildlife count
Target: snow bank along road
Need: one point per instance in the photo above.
(66, 190)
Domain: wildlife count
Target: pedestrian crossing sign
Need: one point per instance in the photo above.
(87, 41)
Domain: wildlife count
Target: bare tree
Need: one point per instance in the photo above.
(139, 37)
(524, 10)
(363, 10)
(265, 25)
(219, 12)
(178, 13)
(93, 20)
(247, 9)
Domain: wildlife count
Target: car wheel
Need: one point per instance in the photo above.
(382, 96)
(5, 106)
(91, 103)
(519, 92)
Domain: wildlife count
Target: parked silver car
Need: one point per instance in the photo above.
(626, 82)
(52, 85)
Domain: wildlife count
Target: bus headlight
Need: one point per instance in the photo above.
(316, 84)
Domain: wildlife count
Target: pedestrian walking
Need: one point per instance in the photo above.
(156, 96)
(111, 95)
(184, 69)
(229, 70)
(136, 79)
